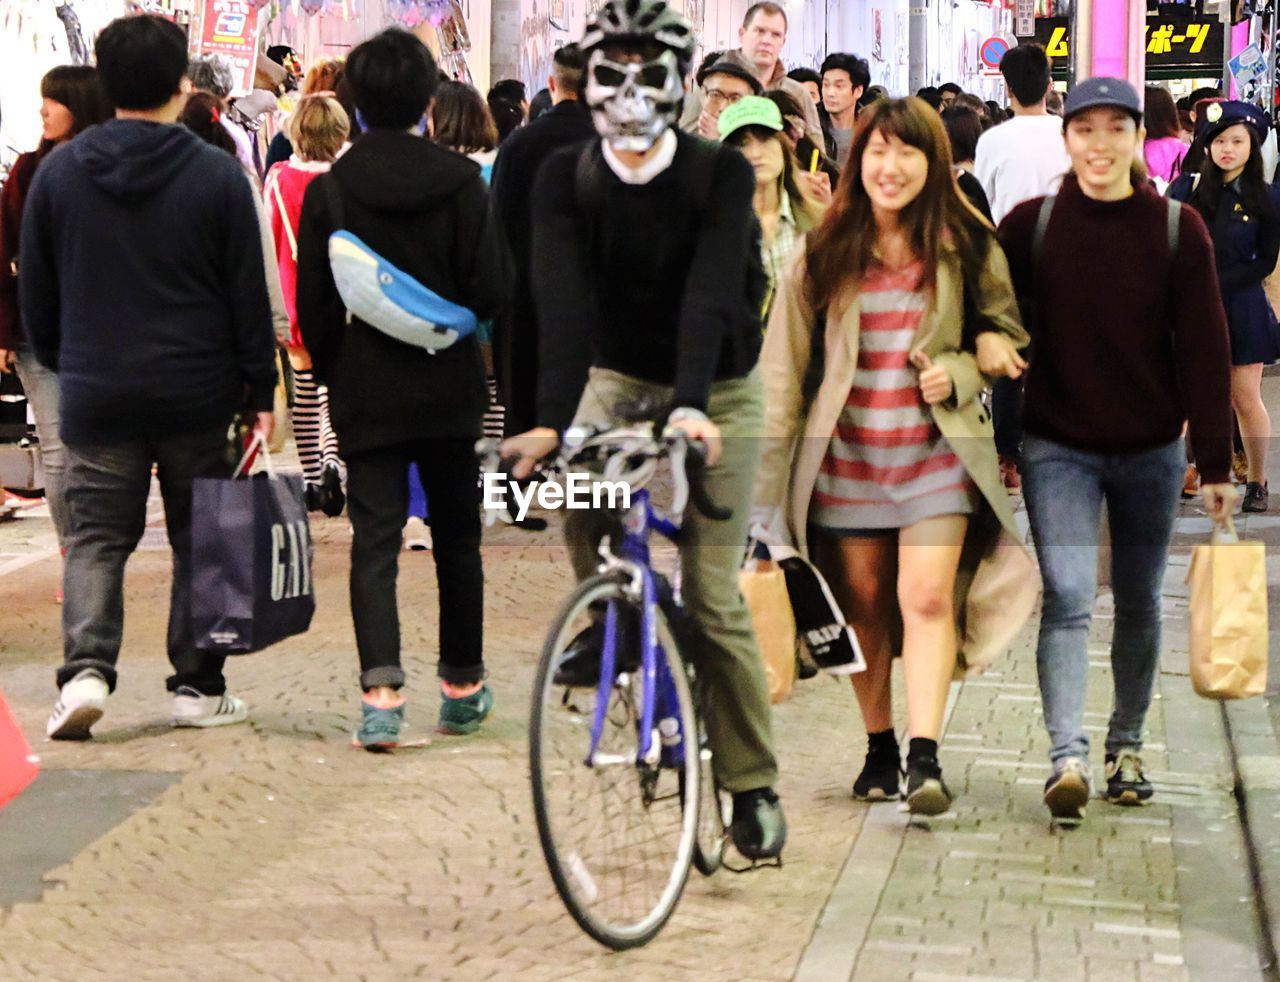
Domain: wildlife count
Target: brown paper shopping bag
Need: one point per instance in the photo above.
(764, 587)
(1228, 616)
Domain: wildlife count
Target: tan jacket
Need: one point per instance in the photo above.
(998, 584)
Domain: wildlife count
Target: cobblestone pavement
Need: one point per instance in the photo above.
(282, 853)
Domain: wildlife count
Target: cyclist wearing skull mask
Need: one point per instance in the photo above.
(648, 284)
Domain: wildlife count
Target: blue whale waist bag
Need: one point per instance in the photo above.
(384, 296)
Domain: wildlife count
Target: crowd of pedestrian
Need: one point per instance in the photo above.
(880, 315)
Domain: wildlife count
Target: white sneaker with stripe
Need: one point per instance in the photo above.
(192, 708)
(80, 704)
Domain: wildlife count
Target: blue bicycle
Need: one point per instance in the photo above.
(623, 788)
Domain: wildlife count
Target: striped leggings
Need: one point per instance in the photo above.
(317, 443)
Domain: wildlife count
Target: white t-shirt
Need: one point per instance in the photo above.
(1021, 159)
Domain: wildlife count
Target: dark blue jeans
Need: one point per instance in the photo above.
(1064, 491)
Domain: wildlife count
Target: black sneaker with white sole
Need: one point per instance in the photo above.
(1126, 783)
(881, 774)
(927, 793)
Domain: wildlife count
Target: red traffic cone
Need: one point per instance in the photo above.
(17, 763)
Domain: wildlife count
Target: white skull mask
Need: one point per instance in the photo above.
(633, 103)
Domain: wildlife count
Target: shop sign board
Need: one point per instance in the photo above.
(1024, 18)
(230, 28)
(1190, 45)
(1248, 66)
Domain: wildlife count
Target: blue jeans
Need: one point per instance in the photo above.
(41, 386)
(1064, 491)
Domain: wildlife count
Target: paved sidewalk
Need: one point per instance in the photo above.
(279, 852)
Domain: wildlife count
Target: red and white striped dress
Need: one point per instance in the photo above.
(888, 466)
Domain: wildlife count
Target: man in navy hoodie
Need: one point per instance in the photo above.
(143, 286)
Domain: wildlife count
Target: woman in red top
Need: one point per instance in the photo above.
(73, 101)
(318, 130)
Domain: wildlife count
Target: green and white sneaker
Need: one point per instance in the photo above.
(379, 727)
(459, 717)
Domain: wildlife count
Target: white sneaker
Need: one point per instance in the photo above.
(417, 537)
(192, 708)
(79, 706)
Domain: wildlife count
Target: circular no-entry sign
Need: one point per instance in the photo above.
(992, 50)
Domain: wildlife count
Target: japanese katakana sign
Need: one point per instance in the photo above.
(1181, 45)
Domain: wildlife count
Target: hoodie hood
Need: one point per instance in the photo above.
(388, 170)
(132, 158)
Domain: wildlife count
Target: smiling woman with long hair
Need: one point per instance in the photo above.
(881, 462)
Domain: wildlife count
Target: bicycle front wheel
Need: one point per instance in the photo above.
(618, 834)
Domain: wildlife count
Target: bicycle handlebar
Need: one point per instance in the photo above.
(628, 445)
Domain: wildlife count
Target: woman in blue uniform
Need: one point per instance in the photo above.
(1243, 212)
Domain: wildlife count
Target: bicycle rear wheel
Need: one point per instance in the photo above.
(618, 837)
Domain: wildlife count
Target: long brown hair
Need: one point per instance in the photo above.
(840, 250)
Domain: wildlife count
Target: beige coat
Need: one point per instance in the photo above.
(998, 584)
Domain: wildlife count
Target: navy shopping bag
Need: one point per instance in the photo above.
(251, 556)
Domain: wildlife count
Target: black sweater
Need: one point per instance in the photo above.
(646, 286)
(425, 210)
(143, 284)
(1128, 342)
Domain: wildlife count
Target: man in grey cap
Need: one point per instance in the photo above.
(721, 84)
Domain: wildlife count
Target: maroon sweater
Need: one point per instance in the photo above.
(12, 198)
(1128, 343)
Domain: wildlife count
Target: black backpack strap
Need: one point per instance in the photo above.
(1173, 223)
(1042, 227)
(705, 156)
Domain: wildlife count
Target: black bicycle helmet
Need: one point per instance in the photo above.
(641, 21)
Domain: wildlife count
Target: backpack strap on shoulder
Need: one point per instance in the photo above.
(706, 155)
(1042, 227)
(1173, 222)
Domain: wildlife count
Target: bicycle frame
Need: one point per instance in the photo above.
(657, 689)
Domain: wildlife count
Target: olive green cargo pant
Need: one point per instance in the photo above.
(735, 694)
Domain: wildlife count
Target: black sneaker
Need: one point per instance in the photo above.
(759, 829)
(1126, 784)
(879, 780)
(580, 668)
(926, 792)
(332, 498)
(1255, 497)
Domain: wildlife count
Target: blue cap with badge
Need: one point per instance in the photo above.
(1218, 116)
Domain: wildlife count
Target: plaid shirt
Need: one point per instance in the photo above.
(777, 252)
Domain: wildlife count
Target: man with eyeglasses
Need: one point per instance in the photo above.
(722, 84)
(761, 39)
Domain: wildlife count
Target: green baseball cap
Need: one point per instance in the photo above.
(751, 110)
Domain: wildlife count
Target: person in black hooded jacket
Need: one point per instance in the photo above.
(425, 210)
(143, 287)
